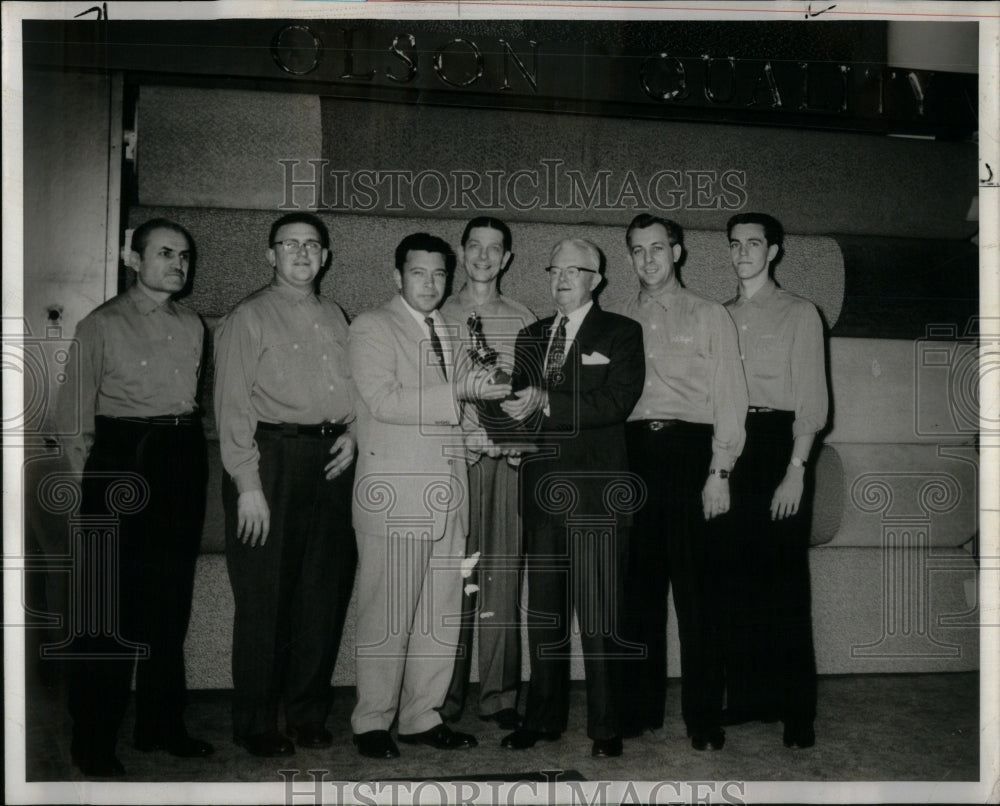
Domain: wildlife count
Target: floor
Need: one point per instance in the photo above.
(919, 727)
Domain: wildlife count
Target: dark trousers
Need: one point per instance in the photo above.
(146, 573)
(292, 592)
(672, 544)
(576, 568)
(769, 660)
(495, 532)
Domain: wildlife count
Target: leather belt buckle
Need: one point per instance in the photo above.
(657, 425)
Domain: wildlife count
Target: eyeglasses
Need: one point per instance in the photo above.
(291, 246)
(569, 272)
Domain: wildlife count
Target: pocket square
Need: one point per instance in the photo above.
(595, 358)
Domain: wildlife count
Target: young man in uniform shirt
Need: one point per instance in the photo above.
(770, 665)
(494, 523)
(684, 435)
(139, 360)
(284, 404)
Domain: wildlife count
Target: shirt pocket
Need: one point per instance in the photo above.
(686, 374)
(770, 355)
(293, 362)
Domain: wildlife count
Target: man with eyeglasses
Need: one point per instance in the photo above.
(684, 435)
(494, 523)
(577, 376)
(141, 440)
(285, 409)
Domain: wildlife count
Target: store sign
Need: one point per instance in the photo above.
(680, 74)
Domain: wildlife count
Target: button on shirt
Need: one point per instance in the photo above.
(781, 341)
(136, 357)
(693, 367)
(280, 357)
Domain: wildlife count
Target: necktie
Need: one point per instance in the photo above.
(557, 355)
(436, 344)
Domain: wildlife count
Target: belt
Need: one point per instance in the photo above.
(759, 410)
(163, 419)
(297, 430)
(656, 425)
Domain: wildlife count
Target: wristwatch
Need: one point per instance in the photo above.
(721, 472)
(796, 462)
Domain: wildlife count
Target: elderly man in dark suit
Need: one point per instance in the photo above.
(578, 375)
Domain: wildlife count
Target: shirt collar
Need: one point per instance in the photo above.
(664, 295)
(577, 316)
(420, 317)
(465, 298)
(293, 293)
(764, 293)
(144, 303)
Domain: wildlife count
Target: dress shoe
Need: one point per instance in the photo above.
(798, 736)
(182, 746)
(607, 748)
(269, 744)
(714, 738)
(442, 737)
(311, 735)
(102, 765)
(523, 738)
(506, 718)
(376, 744)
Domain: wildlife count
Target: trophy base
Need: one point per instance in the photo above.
(500, 427)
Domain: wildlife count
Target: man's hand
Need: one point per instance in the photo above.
(254, 517)
(478, 385)
(715, 496)
(342, 452)
(525, 403)
(788, 495)
(477, 441)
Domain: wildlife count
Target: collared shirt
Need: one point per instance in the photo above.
(439, 326)
(502, 320)
(781, 343)
(280, 357)
(693, 368)
(136, 357)
(574, 320)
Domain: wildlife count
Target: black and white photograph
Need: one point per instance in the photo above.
(483, 402)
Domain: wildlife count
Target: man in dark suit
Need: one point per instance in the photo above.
(577, 375)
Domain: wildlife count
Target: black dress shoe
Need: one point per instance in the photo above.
(798, 736)
(714, 738)
(523, 738)
(269, 744)
(607, 748)
(102, 765)
(311, 735)
(506, 718)
(376, 744)
(442, 737)
(182, 746)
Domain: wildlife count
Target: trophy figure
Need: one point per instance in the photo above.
(500, 427)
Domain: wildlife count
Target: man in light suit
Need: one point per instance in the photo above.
(410, 504)
(578, 374)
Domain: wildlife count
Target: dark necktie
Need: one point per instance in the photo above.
(557, 355)
(436, 344)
